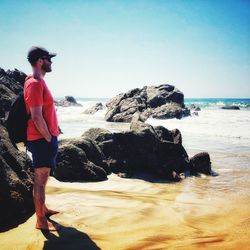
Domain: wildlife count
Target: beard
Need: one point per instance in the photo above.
(46, 67)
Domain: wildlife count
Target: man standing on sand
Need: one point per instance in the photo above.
(42, 131)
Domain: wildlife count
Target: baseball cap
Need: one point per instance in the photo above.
(37, 52)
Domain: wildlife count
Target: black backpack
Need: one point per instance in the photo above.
(17, 120)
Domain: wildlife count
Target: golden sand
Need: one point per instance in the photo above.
(135, 214)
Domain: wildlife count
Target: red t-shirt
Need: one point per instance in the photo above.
(36, 93)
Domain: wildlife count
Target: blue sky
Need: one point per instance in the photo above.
(107, 47)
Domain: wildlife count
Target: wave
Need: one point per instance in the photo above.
(218, 102)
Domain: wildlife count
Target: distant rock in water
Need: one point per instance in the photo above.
(16, 183)
(67, 102)
(195, 108)
(231, 107)
(11, 84)
(161, 102)
(90, 111)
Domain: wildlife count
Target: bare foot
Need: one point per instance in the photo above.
(49, 212)
(43, 224)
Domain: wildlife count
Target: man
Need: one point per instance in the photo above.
(42, 131)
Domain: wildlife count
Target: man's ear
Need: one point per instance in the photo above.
(40, 60)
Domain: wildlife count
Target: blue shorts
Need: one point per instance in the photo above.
(43, 153)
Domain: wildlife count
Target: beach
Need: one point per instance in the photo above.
(207, 212)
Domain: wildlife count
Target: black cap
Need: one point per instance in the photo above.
(37, 52)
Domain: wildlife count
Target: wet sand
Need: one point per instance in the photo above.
(197, 213)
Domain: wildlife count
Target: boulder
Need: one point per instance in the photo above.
(157, 151)
(162, 102)
(11, 84)
(67, 102)
(16, 183)
(92, 110)
(77, 161)
(200, 163)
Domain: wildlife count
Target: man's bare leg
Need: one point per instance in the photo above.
(40, 180)
(49, 212)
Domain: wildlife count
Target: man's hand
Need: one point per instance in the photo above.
(37, 117)
(48, 139)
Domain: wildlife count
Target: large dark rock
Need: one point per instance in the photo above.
(162, 102)
(80, 160)
(11, 84)
(16, 182)
(145, 149)
(67, 102)
(157, 151)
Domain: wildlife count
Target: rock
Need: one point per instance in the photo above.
(157, 151)
(73, 161)
(67, 102)
(231, 107)
(17, 75)
(168, 111)
(16, 183)
(98, 152)
(195, 113)
(90, 111)
(200, 163)
(11, 84)
(143, 149)
(162, 102)
(195, 108)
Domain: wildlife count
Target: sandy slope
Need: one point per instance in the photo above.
(135, 214)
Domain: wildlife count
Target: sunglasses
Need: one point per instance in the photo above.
(47, 58)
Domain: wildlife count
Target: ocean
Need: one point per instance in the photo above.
(215, 207)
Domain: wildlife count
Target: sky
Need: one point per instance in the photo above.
(106, 47)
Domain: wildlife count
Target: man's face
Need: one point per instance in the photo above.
(46, 66)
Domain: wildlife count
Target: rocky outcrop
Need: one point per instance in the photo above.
(99, 152)
(11, 84)
(161, 102)
(231, 107)
(16, 182)
(67, 102)
(92, 110)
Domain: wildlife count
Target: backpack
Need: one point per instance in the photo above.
(17, 120)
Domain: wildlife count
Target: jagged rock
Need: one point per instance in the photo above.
(162, 102)
(16, 183)
(231, 107)
(67, 102)
(11, 84)
(73, 165)
(92, 110)
(157, 151)
(17, 75)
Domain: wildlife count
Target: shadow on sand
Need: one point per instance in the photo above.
(68, 238)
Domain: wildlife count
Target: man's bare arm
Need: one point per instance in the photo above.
(37, 117)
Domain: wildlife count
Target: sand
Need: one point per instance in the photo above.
(136, 214)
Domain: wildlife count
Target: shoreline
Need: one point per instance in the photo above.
(135, 214)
